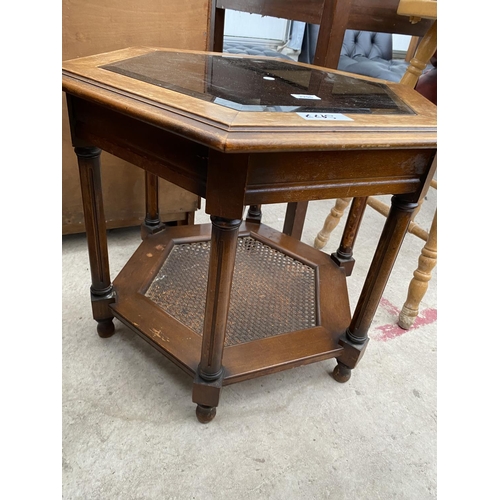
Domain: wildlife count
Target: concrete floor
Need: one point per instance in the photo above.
(129, 426)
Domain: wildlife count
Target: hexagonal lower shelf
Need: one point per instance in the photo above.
(272, 293)
(288, 302)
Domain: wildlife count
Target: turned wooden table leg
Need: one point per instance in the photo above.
(355, 339)
(101, 290)
(152, 223)
(331, 222)
(343, 256)
(421, 277)
(208, 380)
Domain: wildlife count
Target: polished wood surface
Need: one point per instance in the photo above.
(237, 158)
(228, 130)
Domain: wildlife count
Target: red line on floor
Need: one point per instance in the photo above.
(390, 331)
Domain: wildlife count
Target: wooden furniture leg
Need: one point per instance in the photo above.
(254, 214)
(355, 339)
(101, 289)
(343, 256)
(421, 277)
(208, 380)
(336, 213)
(383, 209)
(331, 222)
(424, 52)
(294, 219)
(152, 223)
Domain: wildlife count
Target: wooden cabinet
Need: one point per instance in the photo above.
(95, 27)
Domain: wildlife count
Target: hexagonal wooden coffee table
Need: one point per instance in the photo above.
(233, 300)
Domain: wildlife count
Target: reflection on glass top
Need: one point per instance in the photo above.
(253, 84)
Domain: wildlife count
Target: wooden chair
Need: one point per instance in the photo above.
(333, 18)
(416, 10)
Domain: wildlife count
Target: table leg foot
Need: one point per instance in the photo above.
(147, 229)
(254, 214)
(152, 223)
(105, 328)
(101, 300)
(206, 395)
(205, 414)
(341, 373)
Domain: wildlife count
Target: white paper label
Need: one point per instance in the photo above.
(306, 96)
(325, 116)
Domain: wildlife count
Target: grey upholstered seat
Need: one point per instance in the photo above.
(363, 53)
(251, 49)
(370, 54)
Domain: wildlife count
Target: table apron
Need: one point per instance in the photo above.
(163, 153)
(286, 177)
(275, 177)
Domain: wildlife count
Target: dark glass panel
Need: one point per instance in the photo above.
(259, 84)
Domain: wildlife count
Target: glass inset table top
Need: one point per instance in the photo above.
(260, 84)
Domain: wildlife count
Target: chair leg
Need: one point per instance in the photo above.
(424, 52)
(331, 222)
(421, 277)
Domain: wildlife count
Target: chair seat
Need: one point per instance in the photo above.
(370, 54)
(392, 69)
(363, 53)
(251, 50)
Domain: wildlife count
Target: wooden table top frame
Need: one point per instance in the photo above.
(233, 159)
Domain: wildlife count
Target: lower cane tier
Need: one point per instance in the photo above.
(289, 303)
